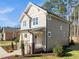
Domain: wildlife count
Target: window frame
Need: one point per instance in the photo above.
(50, 34)
(24, 23)
(61, 27)
(35, 21)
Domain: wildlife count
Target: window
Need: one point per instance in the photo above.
(61, 27)
(49, 18)
(25, 35)
(49, 34)
(24, 23)
(35, 21)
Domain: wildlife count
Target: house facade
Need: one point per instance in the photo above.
(10, 33)
(41, 31)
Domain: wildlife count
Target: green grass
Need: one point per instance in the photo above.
(71, 55)
(5, 43)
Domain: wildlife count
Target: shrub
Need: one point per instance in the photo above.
(12, 45)
(16, 55)
(22, 48)
(71, 42)
(58, 51)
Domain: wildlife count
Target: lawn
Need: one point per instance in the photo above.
(70, 55)
(5, 43)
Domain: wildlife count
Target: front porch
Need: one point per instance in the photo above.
(35, 41)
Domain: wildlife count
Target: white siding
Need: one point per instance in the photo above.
(36, 12)
(27, 23)
(29, 37)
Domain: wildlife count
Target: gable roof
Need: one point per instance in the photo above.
(28, 7)
(10, 29)
(48, 12)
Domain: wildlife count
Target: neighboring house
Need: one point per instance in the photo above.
(0, 34)
(9, 33)
(42, 30)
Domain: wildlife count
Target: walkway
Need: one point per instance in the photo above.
(3, 53)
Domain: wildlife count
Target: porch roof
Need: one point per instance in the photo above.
(34, 29)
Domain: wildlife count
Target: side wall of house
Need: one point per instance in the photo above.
(59, 32)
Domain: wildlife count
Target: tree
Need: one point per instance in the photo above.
(59, 7)
(22, 48)
(54, 6)
(12, 45)
(16, 40)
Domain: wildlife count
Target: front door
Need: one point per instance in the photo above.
(38, 40)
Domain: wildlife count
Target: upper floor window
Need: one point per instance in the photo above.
(35, 21)
(24, 23)
(61, 27)
(50, 17)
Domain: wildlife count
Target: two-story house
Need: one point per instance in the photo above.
(42, 30)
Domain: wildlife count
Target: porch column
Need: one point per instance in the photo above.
(32, 44)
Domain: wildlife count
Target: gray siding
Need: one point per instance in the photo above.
(59, 32)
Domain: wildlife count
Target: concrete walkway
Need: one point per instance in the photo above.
(3, 53)
(16, 52)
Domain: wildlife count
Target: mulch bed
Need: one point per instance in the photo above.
(9, 48)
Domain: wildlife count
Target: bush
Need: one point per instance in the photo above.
(71, 42)
(12, 45)
(16, 55)
(22, 48)
(58, 51)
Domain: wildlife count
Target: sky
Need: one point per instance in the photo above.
(11, 10)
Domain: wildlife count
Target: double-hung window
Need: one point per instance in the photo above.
(49, 34)
(24, 23)
(35, 21)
